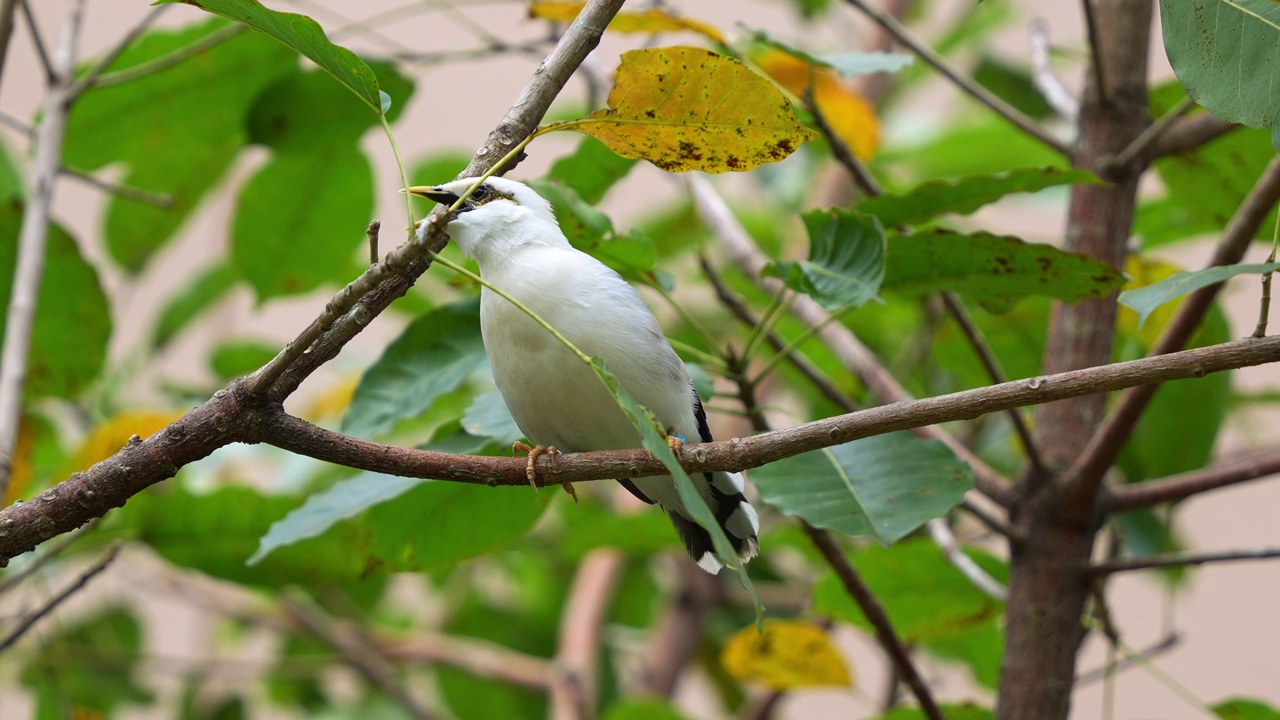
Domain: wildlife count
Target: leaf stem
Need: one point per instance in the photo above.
(794, 344)
(771, 315)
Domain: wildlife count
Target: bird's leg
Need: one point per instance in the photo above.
(675, 442)
(534, 452)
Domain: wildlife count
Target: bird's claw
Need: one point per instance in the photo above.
(534, 452)
(573, 493)
(675, 443)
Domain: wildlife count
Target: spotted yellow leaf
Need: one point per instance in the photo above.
(685, 108)
(650, 20)
(107, 438)
(849, 116)
(787, 654)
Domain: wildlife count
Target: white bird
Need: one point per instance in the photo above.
(555, 399)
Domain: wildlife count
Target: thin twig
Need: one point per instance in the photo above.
(371, 233)
(29, 621)
(1166, 644)
(1182, 486)
(7, 10)
(32, 237)
(574, 692)
(168, 60)
(16, 124)
(1152, 562)
(1187, 133)
(876, 615)
(995, 524)
(125, 191)
(1095, 51)
(1265, 308)
(852, 353)
(1124, 160)
(1085, 474)
(1046, 81)
(968, 86)
(37, 41)
(356, 650)
(95, 71)
(12, 580)
(857, 171)
(946, 541)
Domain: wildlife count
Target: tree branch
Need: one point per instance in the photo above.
(32, 238)
(879, 619)
(29, 621)
(677, 633)
(1152, 562)
(574, 691)
(1184, 485)
(966, 85)
(1086, 473)
(1187, 133)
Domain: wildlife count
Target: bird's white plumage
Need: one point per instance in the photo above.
(554, 398)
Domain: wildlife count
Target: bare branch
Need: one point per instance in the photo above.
(574, 692)
(968, 86)
(125, 191)
(1184, 485)
(164, 62)
(946, 541)
(29, 621)
(1188, 133)
(95, 71)
(1086, 473)
(1152, 562)
(1049, 84)
(356, 650)
(7, 10)
(879, 619)
(32, 238)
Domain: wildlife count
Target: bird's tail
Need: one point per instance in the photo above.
(734, 515)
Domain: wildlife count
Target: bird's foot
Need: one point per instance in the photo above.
(573, 493)
(675, 443)
(534, 452)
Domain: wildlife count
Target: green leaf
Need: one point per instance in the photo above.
(177, 129)
(883, 486)
(434, 355)
(73, 314)
(488, 417)
(846, 259)
(309, 111)
(215, 532)
(593, 526)
(1227, 55)
(192, 299)
(994, 270)
(300, 219)
(240, 357)
(1014, 85)
(435, 525)
(642, 709)
(87, 668)
(1146, 299)
(963, 196)
(1245, 709)
(591, 231)
(306, 37)
(952, 152)
(929, 602)
(590, 170)
(951, 712)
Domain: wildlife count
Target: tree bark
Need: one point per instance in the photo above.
(1049, 585)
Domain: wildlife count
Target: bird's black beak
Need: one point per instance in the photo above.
(444, 197)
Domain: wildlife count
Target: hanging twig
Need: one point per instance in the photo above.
(29, 621)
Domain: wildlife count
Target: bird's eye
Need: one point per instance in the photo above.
(480, 194)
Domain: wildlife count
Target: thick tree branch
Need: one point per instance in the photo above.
(876, 615)
(1184, 485)
(32, 238)
(1086, 473)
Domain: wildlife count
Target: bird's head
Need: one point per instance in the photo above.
(499, 217)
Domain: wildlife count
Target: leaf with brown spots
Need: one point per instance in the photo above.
(685, 108)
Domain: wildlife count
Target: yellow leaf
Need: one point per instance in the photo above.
(849, 116)
(333, 401)
(788, 654)
(108, 437)
(650, 20)
(685, 108)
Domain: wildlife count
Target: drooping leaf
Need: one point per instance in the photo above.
(1146, 299)
(89, 668)
(994, 270)
(216, 532)
(929, 602)
(590, 170)
(433, 356)
(177, 129)
(883, 486)
(488, 417)
(72, 316)
(847, 113)
(301, 218)
(306, 37)
(685, 108)
(1226, 53)
(1245, 709)
(964, 195)
(649, 20)
(846, 259)
(787, 655)
(192, 299)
